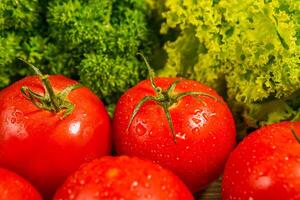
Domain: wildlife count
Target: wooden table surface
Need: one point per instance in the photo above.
(213, 192)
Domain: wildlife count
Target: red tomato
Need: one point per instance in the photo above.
(123, 178)
(43, 147)
(265, 165)
(204, 128)
(14, 187)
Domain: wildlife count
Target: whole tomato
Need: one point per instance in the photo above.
(45, 143)
(14, 187)
(265, 165)
(180, 124)
(123, 178)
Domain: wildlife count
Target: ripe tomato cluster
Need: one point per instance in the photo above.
(172, 137)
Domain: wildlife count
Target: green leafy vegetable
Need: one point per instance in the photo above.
(93, 41)
(248, 50)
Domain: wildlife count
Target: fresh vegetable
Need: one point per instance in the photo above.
(248, 50)
(14, 187)
(265, 165)
(123, 178)
(93, 41)
(49, 126)
(181, 124)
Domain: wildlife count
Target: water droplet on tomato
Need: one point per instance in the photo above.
(69, 191)
(13, 120)
(286, 158)
(196, 120)
(82, 182)
(171, 195)
(149, 177)
(97, 194)
(72, 196)
(181, 135)
(134, 184)
(200, 117)
(106, 194)
(140, 129)
(195, 130)
(74, 128)
(19, 115)
(263, 182)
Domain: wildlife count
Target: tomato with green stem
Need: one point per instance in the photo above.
(123, 178)
(265, 165)
(14, 187)
(181, 124)
(49, 126)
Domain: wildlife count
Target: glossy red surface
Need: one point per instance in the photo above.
(14, 187)
(41, 146)
(123, 178)
(205, 134)
(265, 165)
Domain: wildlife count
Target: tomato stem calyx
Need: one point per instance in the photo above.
(165, 98)
(295, 135)
(49, 101)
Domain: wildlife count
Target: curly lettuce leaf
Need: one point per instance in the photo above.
(248, 50)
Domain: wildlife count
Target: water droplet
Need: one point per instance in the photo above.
(200, 118)
(134, 184)
(140, 129)
(69, 191)
(74, 128)
(106, 194)
(82, 182)
(72, 196)
(273, 147)
(196, 120)
(97, 194)
(195, 130)
(18, 114)
(13, 120)
(263, 182)
(181, 135)
(149, 176)
(163, 187)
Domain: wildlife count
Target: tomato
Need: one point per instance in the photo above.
(45, 146)
(203, 128)
(14, 187)
(123, 178)
(265, 165)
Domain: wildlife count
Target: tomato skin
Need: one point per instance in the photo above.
(123, 178)
(14, 187)
(41, 146)
(205, 133)
(265, 165)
